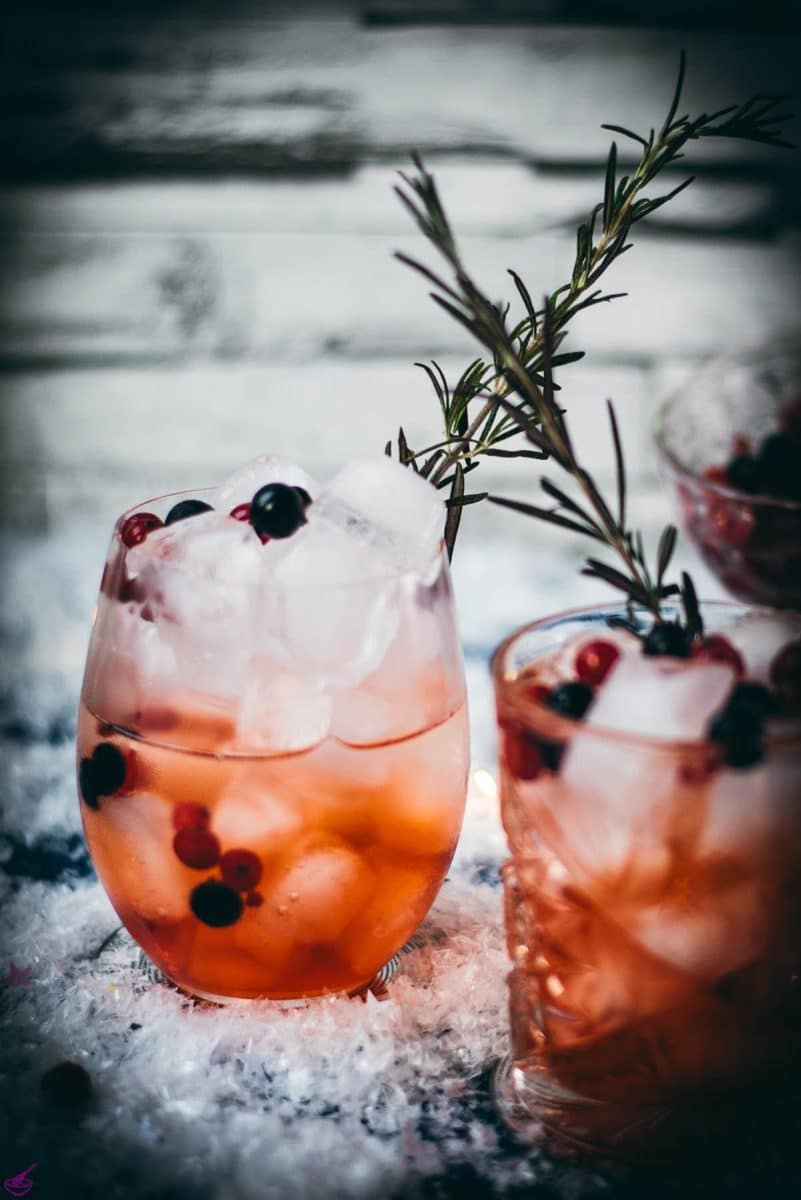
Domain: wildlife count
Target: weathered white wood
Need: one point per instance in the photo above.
(274, 297)
(238, 93)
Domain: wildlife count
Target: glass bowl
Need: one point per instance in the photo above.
(750, 540)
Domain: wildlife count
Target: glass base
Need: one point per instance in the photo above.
(697, 1132)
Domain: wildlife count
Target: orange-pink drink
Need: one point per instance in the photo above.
(272, 740)
(653, 894)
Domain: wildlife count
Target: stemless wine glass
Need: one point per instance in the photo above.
(272, 777)
(751, 540)
(653, 918)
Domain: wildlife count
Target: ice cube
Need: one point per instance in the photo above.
(130, 667)
(390, 508)
(242, 485)
(319, 891)
(131, 840)
(660, 698)
(200, 580)
(249, 814)
(754, 815)
(280, 711)
(332, 606)
(759, 637)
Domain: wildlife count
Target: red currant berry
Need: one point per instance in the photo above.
(254, 900)
(719, 650)
(595, 660)
(190, 816)
(242, 513)
(785, 675)
(196, 848)
(241, 869)
(522, 755)
(135, 529)
(538, 693)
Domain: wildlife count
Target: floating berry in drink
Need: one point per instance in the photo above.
(522, 755)
(715, 475)
(196, 848)
(717, 648)
(744, 473)
(110, 768)
(216, 904)
(277, 511)
(739, 736)
(191, 816)
(241, 869)
(785, 675)
(668, 639)
(87, 785)
(780, 463)
(135, 528)
(254, 900)
(570, 699)
(184, 509)
(595, 660)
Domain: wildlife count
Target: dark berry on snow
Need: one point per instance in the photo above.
(241, 869)
(67, 1085)
(570, 699)
(667, 639)
(277, 511)
(215, 904)
(196, 848)
(184, 509)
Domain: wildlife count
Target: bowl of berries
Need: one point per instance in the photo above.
(731, 444)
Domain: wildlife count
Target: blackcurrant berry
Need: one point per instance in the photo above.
(552, 754)
(752, 701)
(303, 496)
(277, 511)
(86, 782)
(184, 509)
(744, 474)
(570, 699)
(779, 463)
(215, 904)
(668, 639)
(738, 735)
(110, 768)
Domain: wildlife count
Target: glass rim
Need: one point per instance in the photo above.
(427, 577)
(680, 470)
(567, 727)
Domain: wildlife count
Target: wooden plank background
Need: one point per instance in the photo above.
(198, 223)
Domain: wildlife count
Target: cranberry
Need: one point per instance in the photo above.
(668, 639)
(196, 848)
(241, 869)
(184, 509)
(595, 660)
(86, 783)
(720, 650)
(135, 528)
(242, 513)
(785, 675)
(522, 755)
(190, 816)
(215, 904)
(716, 475)
(254, 899)
(277, 511)
(730, 521)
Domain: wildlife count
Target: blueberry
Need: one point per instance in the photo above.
(109, 768)
(570, 699)
(215, 904)
(87, 784)
(278, 510)
(744, 473)
(184, 509)
(667, 639)
(752, 701)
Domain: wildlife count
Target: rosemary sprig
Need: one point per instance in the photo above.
(476, 416)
